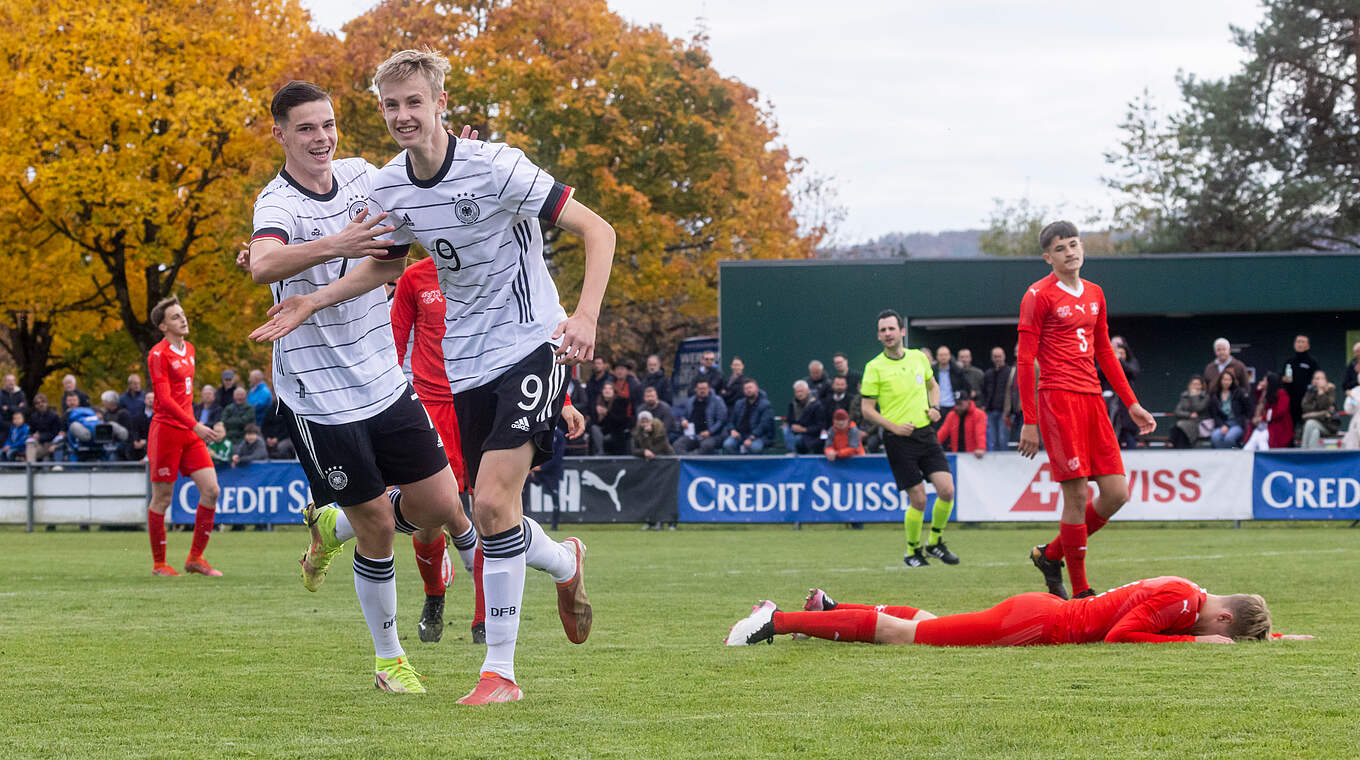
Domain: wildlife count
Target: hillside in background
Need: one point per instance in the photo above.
(918, 245)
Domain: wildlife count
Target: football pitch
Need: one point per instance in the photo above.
(104, 660)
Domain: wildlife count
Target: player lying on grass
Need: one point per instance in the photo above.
(1161, 609)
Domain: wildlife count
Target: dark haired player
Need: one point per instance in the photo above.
(176, 442)
(1063, 324)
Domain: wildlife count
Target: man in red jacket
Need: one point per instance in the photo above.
(964, 428)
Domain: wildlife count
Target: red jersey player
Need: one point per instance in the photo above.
(176, 442)
(1063, 325)
(1155, 610)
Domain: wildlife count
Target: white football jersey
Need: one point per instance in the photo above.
(479, 219)
(341, 364)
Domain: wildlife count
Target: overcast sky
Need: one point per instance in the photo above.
(924, 112)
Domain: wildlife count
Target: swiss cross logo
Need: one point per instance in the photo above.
(1095, 308)
(1043, 494)
(1064, 311)
(431, 296)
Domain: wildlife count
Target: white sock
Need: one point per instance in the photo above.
(543, 553)
(343, 530)
(466, 544)
(503, 587)
(375, 581)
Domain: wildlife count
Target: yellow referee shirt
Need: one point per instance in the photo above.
(899, 387)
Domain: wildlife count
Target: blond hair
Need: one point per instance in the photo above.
(1251, 618)
(408, 63)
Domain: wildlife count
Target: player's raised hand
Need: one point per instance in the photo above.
(578, 339)
(1029, 441)
(1213, 638)
(1143, 419)
(359, 238)
(576, 422)
(468, 133)
(285, 316)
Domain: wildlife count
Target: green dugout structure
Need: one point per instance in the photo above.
(779, 315)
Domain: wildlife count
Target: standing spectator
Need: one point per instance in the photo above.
(701, 422)
(971, 374)
(133, 399)
(656, 378)
(996, 383)
(227, 394)
(841, 397)
(275, 434)
(819, 383)
(652, 404)
(804, 422)
(599, 375)
(117, 417)
(220, 449)
(1319, 412)
(259, 396)
(1224, 361)
(1297, 375)
(1014, 413)
(949, 377)
(1231, 409)
(736, 382)
(649, 437)
(208, 411)
(750, 426)
(627, 386)
(16, 443)
(964, 428)
(611, 424)
(1351, 377)
(841, 366)
(843, 439)
(69, 385)
(707, 370)
(1125, 429)
(1351, 441)
(46, 434)
(237, 415)
(12, 399)
(1191, 412)
(250, 449)
(1274, 424)
(139, 429)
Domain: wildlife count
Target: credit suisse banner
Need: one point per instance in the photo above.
(261, 492)
(792, 489)
(1306, 486)
(1163, 485)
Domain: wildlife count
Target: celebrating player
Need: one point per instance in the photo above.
(476, 207)
(1063, 324)
(356, 422)
(1155, 610)
(176, 442)
(900, 395)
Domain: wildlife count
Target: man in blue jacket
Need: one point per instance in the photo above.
(750, 427)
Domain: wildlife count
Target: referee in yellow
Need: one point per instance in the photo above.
(900, 395)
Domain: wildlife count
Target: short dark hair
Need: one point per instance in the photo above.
(158, 311)
(626, 363)
(840, 354)
(882, 315)
(292, 95)
(252, 428)
(1055, 230)
(698, 383)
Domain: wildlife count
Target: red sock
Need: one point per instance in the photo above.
(1094, 521)
(430, 562)
(478, 598)
(1074, 551)
(155, 525)
(203, 524)
(836, 625)
(898, 611)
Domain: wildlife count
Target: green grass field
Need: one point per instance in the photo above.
(104, 660)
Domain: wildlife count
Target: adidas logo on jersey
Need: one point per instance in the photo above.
(521, 424)
(406, 218)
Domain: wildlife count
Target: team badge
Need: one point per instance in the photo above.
(467, 210)
(920, 378)
(1095, 308)
(1073, 463)
(337, 479)
(1064, 311)
(356, 207)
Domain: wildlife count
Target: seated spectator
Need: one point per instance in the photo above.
(659, 409)
(1351, 441)
(949, 376)
(237, 415)
(16, 443)
(133, 399)
(971, 374)
(12, 399)
(1191, 412)
(1273, 422)
(78, 422)
(117, 416)
(843, 438)
(220, 450)
(1351, 377)
(250, 449)
(1319, 412)
(139, 430)
(259, 395)
(804, 422)
(996, 383)
(841, 397)
(68, 386)
(275, 434)
(611, 426)
(227, 393)
(1231, 410)
(656, 378)
(45, 437)
(841, 367)
(701, 421)
(627, 386)
(208, 411)
(599, 375)
(1224, 361)
(819, 383)
(708, 370)
(736, 382)
(964, 428)
(750, 424)
(649, 437)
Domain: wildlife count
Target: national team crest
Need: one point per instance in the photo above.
(467, 210)
(356, 207)
(1064, 311)
(1095, 308)
(337, 479)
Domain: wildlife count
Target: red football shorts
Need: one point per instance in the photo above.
(173, 450)
(1078, 435)
(1019, 621)
(445, 421)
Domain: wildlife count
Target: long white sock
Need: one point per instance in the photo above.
(543, 553)
(466, 544)
(375, 581)
(343, 530)
(503, 587)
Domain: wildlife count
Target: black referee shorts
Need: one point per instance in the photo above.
(914, 457)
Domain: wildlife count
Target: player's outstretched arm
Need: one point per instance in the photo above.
(292, 311)
(576, 422)
(578, 330)
(270, 260)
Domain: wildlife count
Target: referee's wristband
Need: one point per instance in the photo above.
(936, 408)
